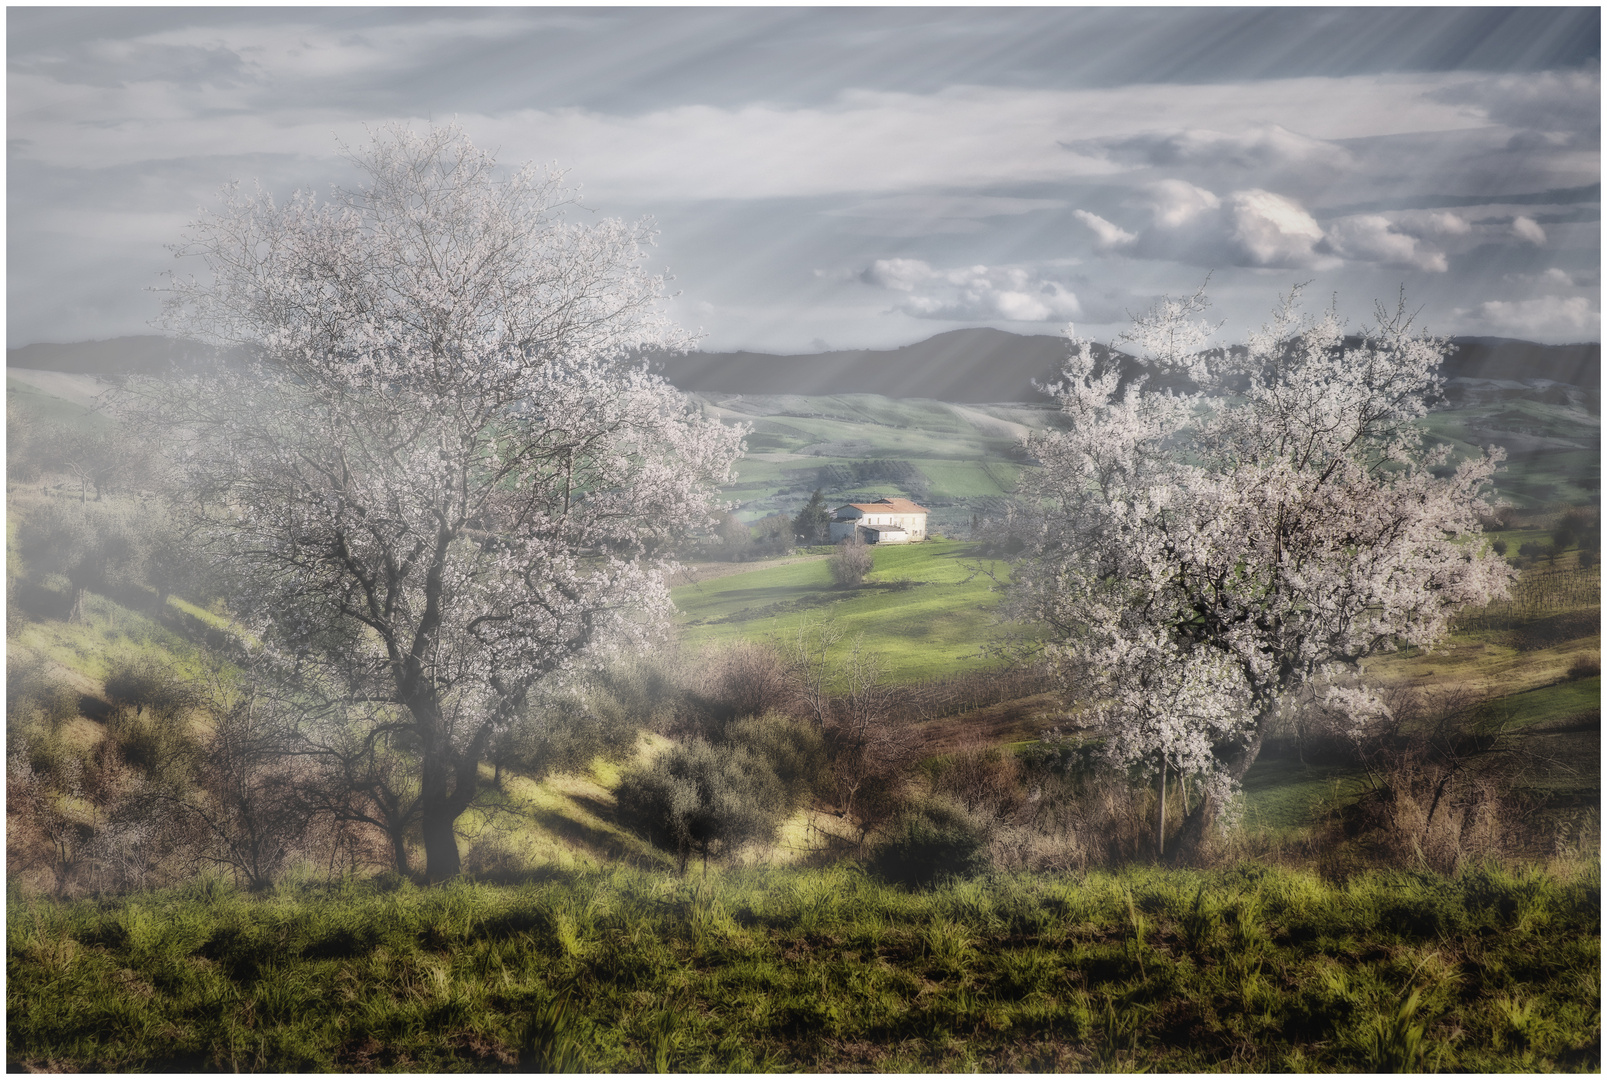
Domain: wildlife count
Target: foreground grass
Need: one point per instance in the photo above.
(630, 970)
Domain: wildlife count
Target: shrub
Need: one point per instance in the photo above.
(744, 679)
(1534, 549)
(982, 779)
(932, 840)
(701, 799)
(794, 751)
(1499, 547)
(148, 684)
(851, 562)
(1587, 666)
(32, 693)
(154, 740)
(564, 734)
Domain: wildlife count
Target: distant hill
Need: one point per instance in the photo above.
(983, 365)
(143, 353)
(1506, 358)
(974, 365)
(962, 366)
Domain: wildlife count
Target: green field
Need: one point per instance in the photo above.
(957, 460)
(1252, 969)
(928, 609)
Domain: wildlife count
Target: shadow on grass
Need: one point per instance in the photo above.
(595, 841)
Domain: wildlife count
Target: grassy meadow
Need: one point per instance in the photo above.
(572, 944)
(927, 609)
(1250, 969)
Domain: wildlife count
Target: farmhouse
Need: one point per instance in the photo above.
(886, 521)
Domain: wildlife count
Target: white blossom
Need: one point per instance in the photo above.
(1197, 555)
(440, 473)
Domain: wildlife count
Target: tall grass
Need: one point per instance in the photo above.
(752, 970)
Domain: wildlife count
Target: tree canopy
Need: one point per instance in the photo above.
(1199, 554)
(440, 473)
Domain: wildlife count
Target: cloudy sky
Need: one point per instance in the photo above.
(849, 177)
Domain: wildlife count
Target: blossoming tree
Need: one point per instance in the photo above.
(1200, 553)
(438, 475)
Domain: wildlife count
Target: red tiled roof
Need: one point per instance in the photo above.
(891, 506)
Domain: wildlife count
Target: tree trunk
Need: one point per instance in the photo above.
(436, 807)
(399, 852)
(1160, 825)
(1193, 837)
(441, 861)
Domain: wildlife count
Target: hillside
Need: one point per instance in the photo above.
(973, 365)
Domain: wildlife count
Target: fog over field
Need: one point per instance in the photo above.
(840, 179)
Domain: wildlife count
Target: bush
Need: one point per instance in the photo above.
(794, 751)
(982, 779)
(148, 684)
(1534, 549)
(31, 693)
(1587, 666)
(932, 840)
(744, 679)
(155, 741)
(564, 734)
(698, 799)
(1499, 547)
(851, 562)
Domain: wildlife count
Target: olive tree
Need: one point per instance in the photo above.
(439, 471)
(1198, 555)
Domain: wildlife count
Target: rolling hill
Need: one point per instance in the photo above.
(969, 366)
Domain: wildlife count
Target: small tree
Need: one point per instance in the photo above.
(95, 548)
(94, 453)
(851, 562)
(813, 522)
(441, 474)
(1198, 556)
(736, 538)
(700, 799)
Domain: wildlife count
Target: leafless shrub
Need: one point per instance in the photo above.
(851, 561)
(981, 778)
(744, 679)
(1585, 666)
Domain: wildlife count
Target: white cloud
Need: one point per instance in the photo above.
(1563, 104)
(1106, 235)
(1271, 230)
(1435, 223)
(1375, 238)
(1528, 230)
(1553, 318)
(973, 293)
(1174, 203)
(1253, 228)
(1556, 276)
(861, 141)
